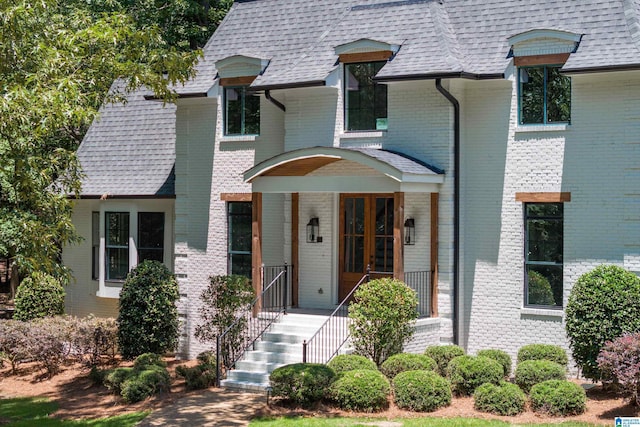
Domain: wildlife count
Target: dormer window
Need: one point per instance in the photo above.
(365, 101)
(241, 111)
(544, 94)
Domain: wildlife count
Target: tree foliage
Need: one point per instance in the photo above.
(58, 60)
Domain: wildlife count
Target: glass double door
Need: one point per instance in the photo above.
(366, 237)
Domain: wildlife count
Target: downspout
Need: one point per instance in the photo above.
(456, 203)
(280, 105)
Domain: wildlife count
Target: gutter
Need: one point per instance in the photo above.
(439, 76)
(117, 196)
(280, 105)
(456, 204)
(180, 96)
(604, 69)
(312, 83)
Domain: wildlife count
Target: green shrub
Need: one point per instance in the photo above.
(301, 383)
(531, 372)
(360, 390)
(500, 356)
(554, 353)
(406, 362)
(149, 359)
(466, 373)
(603, 305)
(558, 397)
(207, 358)
(222, 302)
(148, 317)
(97, 375)
(420, 390)
(443, 354)
(113, 379)
(151, 380)
(502, 399)
(382, 317)
(349, 362)
(39, 295)
(197, 377)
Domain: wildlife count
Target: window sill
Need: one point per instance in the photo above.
(546, 312)
(239, 138)
(363, 134)
(542, 128)
(108, 291)
(428, 321)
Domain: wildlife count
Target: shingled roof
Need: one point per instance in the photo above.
(129, 151)
(446, 38)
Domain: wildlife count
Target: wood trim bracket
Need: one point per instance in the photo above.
(380, 55)
(556, 58)
(542, 197)
(235, 197)
(236, 81)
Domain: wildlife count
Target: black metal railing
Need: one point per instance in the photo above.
(419, 282)
(254, 320)
(333, 333)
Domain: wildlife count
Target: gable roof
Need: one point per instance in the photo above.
(439, 38)
(129, 150)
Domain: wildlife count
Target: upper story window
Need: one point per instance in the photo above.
(241, 111)
(544, 95)
(365, 100)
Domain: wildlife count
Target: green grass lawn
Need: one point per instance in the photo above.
(413, 422)
(29, 411)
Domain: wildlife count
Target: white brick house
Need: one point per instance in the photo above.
(507, 132)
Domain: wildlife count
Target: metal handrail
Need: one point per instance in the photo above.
(323, 334)
(263, 311)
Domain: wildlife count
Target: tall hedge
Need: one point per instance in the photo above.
(382, 317)
(603, 305)
(148, 317)
(39, 295)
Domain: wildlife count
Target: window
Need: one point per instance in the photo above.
(543, 254)
(365, 100)
(241, 111)
(544, 95)
(117, 245)
(239, 238)
(151, 236)
(95, 245)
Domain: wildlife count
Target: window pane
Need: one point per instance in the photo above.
(544, 239)
(151, 236)
(233, 110)
(117, 263)
(252, 114)
(544, 285)
(558, 96)
(95, 244)
(240, 264)
(354, 254)
(240, 233)
(365, 100)
(531, 94)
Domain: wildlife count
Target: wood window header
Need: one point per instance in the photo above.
(237, 81)
(235, 197)
(380, 55)
(526, 61)
(543, 197)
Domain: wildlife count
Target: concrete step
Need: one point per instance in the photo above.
(256, 365)
(271, 357)
(248, 377)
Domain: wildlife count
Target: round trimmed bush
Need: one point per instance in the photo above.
(39, 295)
(148, 359)
(532, 372)
(500, 356)
(406, 362)
(550, 352)
(603, 305)
(422, 391)
(360, 390)
(148, 317)
(443, 354)
(349, 362)
(301, 383)
(502, 399)
(558, 397)
(467, 373)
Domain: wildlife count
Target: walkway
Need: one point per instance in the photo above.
(211, 408)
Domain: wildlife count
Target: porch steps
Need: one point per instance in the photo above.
(280, 345)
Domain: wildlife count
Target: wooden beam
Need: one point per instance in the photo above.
(380, 55)
(295, 245)
(256, 246)
(543, 197)
(398, 236)
(552, 59)
(235, 197)
(237, 81)
(434, 253)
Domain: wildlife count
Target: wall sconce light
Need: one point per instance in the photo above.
(409, 231)
(313, 228)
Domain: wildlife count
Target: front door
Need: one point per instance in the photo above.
(366, 237)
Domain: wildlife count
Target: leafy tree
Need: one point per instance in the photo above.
(58, 60)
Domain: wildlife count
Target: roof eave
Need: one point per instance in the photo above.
(433, 76)
(121, 196)
(310, 83)
(601, 69)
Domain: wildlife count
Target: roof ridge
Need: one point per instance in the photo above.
(448, 38)
(632, 16)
